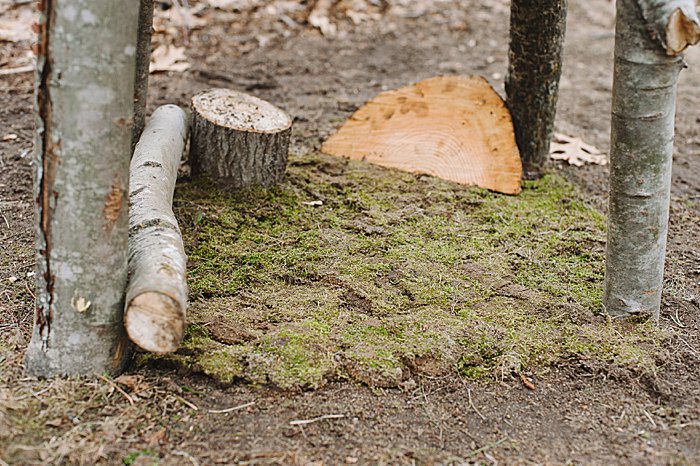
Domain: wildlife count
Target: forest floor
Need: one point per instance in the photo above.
(400, 320)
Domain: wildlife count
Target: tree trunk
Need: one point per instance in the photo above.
(84, 101)
(649, 36)
(156, 298)
(238, 140)
(537, 29)
(143, 62)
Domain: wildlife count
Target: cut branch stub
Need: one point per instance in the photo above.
(156, 297)
(453, 127)
(237, 139)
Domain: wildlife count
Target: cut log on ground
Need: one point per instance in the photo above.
(453, 127)
(238, 140)
(156, 297)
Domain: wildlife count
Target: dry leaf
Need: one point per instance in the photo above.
(576, 152)
(168, 58)
(132, 382)
(319, 18)
(17, 27)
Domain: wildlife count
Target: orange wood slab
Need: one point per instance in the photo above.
(453, 127)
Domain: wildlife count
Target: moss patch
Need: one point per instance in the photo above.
(395, 274)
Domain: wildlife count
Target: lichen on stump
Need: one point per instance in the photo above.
(237, 139)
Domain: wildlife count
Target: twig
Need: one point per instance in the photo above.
(29, 291)
(695, 352)
(486, 447)
(117, 388)
(303, 422)
(186, 455)
(649, 417)
(17, 70)
(469, 395)
(191, 405)
(229, 410)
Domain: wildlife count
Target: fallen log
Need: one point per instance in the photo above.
(156, 296)
(237, 139)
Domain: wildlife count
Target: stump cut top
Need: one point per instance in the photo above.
(239, 111)
(453, 127)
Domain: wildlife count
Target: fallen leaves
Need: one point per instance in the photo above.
(576, 152)
(168, 58)
(16, 25)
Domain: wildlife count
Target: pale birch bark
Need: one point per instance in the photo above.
(156, 297)
(84, 107)
(537, 30)
(650, 35)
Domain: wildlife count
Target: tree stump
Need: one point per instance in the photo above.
(237, 139)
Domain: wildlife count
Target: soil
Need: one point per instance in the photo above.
(577, 413)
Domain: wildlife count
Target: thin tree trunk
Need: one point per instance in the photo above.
(156, 298)
(84, 102)
(143, 62)
(649, 36)
(537, 29)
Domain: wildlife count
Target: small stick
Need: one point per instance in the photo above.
(486, 447)
(229, 410)
(18, 70)
(469, 395)
(303, 422)
(117, 388)
(184, 401)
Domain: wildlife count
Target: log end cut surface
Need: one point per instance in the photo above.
(239, 111)
(453, 127)
(155, 322)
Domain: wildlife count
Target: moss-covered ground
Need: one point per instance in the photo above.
(352, 271)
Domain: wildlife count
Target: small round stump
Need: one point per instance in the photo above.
(237, 139)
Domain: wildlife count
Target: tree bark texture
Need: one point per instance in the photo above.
(238, 140)
(537, 30)
(156, 297)
(84, 107)
(143, 61)
(647, 65)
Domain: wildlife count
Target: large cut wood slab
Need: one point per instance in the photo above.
(453, 127)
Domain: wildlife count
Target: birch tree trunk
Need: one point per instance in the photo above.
(143, 62)
(650, 35)
(537, 30)
(84, 106)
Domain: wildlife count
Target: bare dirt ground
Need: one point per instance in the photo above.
(156, 414)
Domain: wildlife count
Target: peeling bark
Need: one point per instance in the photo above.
(156, 298)
(83, 102)
(649, 36)
(537, 30)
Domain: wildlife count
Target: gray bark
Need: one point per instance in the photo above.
(238, 140)
(143, 61)
(156, 297)
(537, 29)
(84, 107)
(647, 44)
